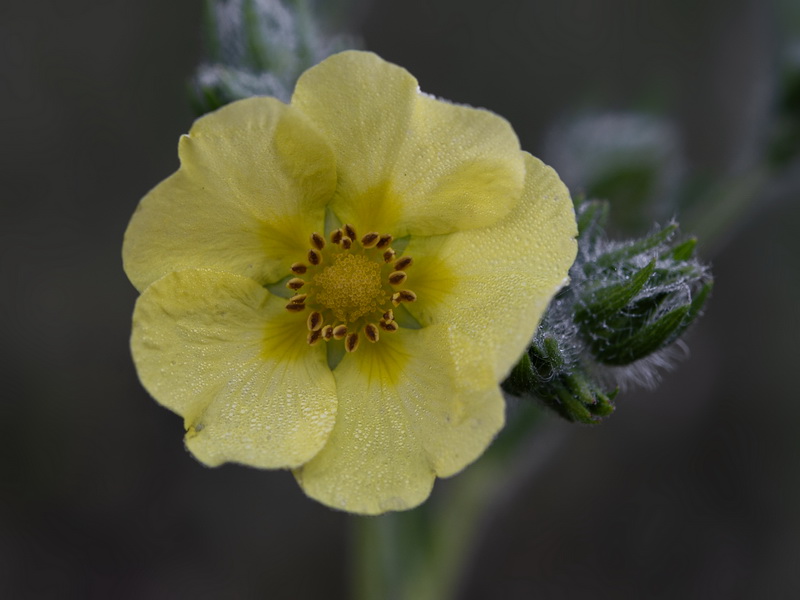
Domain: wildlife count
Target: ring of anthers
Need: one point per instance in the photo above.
(350, 287)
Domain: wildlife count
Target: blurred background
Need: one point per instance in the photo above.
(688, 491)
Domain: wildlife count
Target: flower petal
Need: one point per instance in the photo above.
(253, 184)
(223, 352)
(408, 163)
(494, 284)
(404, 417)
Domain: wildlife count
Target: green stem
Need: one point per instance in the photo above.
(422, 554)
(717, 214)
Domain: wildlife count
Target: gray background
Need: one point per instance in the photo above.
(686, 492)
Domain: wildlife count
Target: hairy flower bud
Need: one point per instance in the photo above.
(626, 304)
(259, 48)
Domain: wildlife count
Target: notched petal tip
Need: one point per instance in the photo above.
(219, 350)
(376, 460)
(212, 212)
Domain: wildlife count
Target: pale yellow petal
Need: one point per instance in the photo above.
(494, 284)
(222, 352)
(254, 180)
(404, 417)
(407, 162)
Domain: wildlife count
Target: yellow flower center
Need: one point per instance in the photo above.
(350, 287)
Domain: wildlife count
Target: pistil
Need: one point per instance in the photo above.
(348, 284)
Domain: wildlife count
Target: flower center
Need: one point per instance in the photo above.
(350, 287)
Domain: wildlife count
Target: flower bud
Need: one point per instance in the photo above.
(626, 302)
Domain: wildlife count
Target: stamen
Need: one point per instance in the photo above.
(390, 326)
(408, 296)
(317, 241)
(371, 331)
(343, 287)
(370, 239)
(398, 277)
(403, 263)
(351, 342)
(403, 296)
(295, 283)
(313, 337)
(384, 241)
(314, 321)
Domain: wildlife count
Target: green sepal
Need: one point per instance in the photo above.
(633, 249)
(699, 302)
(546, 373)
(625, 312)
(606, 301)
(645, 341)
(592, 217)
(683, 251)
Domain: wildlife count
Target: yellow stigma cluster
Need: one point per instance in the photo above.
(350, 287)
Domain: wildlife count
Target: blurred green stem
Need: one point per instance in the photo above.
(716, 215)
(422, 554)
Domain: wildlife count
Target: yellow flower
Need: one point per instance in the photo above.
(337, 286)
